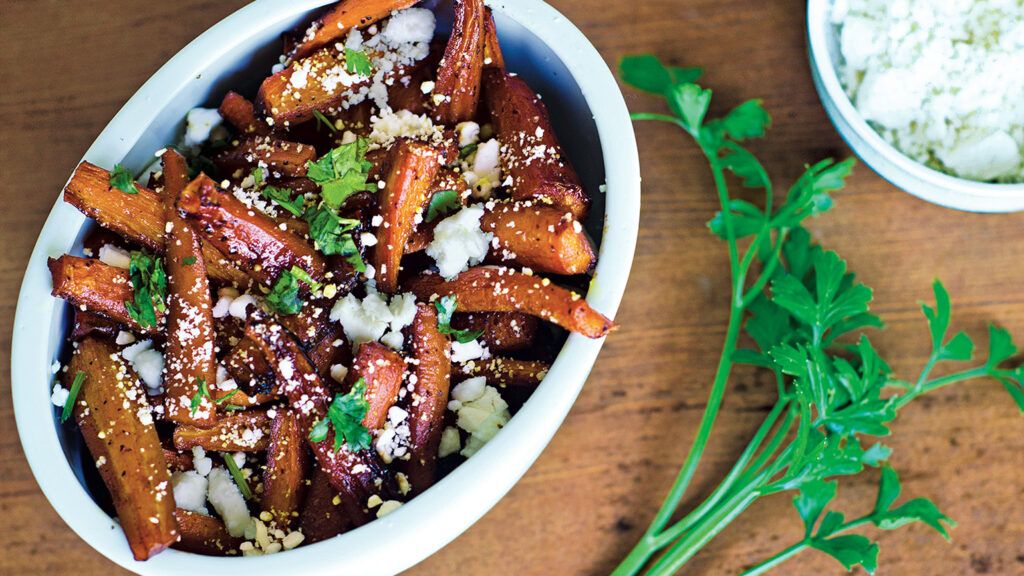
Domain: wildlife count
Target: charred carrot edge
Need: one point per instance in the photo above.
(247, 365)
(284, 479)
(355, 475)
(125, 447)
(523, 127)
(382, 369)
(412, 169)
(506, 372)
(138, 217)
(241, 113)
(502, 331)
(202, 534)
(493, 58)
(178, 460)
(247, 431)
(100, 288)
(322, 516)
(329, 349)
(250, 239)
(312, 322)
(432, 367)
(189, 354)
(89, 323)
(457, 89)
(542, 238)
(345, 16)
(286, 105)
(496, 289)
(282, 158)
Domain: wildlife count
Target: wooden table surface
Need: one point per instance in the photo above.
(69, 66)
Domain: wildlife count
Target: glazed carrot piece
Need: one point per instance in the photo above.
(248, 367)
(457, 89)
(382, 369)
(493, 58)
(322, 516)
(138, 217)
(178, 461)
(532, 155)
(542, 238)
(413, 166)
(241, 113)
(89, 324)
(189, 354)
(245, 431)
(312, 322)
(502, 331)
(125, 446)
(202, 534)
(330, 350)
(283, 158)
(250, 239)
(506, 372)
(431, 351)
(496, 289)
(284, 479)
(345, 16)
(287, 100)
(101, 288)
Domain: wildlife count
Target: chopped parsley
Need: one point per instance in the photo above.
(188, 260)
(258, 174)
(357, 62)
(284, 296)
(443, 203)
(467, 151)
(69, 404)
(346, 414)
(240, 481)
(204, 390)
(304, 276)
(283, 198)
(332, 235)
(342, 172)
(121, 179)
(149, 282)
(322, 120)
(445, 309)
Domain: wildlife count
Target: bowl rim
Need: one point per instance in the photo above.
(830, 88)
(437, 516)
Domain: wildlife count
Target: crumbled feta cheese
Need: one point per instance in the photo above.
(148, 364)
(199, 123)
(469, 133)
(59, 396)
(367, 320)
(239, 307)
(114, 256)
(469, 390)
(459, 242)
(201, 462)
(338, 373)
(393, 440)
(410, 26)
(389, 126)
(485, 173)
(229, 503)
(450, 442)
(388, 507)
(124, 338)
(190, 491)
(468, 351)
(482, 413)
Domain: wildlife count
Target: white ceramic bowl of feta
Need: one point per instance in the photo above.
(889, 162)
(592, 120)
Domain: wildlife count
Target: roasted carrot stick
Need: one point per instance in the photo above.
(284, 479)
(496, 289)
(330, 350)
(240, 113)
(245, 431)
(202, 534)
(322, 516)
(542, 238)
(248, 238)
(432, 368)
(457, 90)
(100, 288)
(506, 372)
(502, 331)
(284, 159)
(532, 155)
(124, 445)
(493, 58)
(138, 217)
(382, 369)
(345, 15)
(292, 95)
(412, 168)
(189, 358)
(89, 324)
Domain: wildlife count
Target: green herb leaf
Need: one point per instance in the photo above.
(1000, 346)
(812, 500)
(322, 120)
(443, 203)
(304, 276)
(69, 404)
(149, 284)
(747, 220)
(446, 306)
(917, 510)
(744, 165)
(333, 235)
(829, 524)
(284, 296)
(748, 120)
(258, 174)
(690, 103)
(342, 172)
(467, 151)
(197, 398)
(647, 73)
(236, 474)
(345, 415)
(188, 260)
(283, 198)
(357, 62)
(122, 179)
(850, 550)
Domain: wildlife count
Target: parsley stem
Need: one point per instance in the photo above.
(798, 547)
(925, 387)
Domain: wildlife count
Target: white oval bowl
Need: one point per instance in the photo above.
(891, 164)
(591, 118)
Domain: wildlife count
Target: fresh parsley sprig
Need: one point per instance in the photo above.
(204, 392)
(801, 307)
(333, 235)
(149, 284)
(442, 203)
(123, 180)
(342, 172)
(445, 309)
(284, 298)
(357, 62)
(346, 414)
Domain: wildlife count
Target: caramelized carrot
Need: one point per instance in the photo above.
(240, 113)
(457, 89)
(100, 288)
(495, 289)
(493, 58)
(322, 516)
(284, 478)
(189, 358)
(246, 431)
(507, 372)
(114, 418)
(542, 238)
(202, 534)
(345, 16)
(412, 168)
(532, 155)
(431, 351)
(382, 369)
(281, 98)
(283, 158)
(248, 238)
(247, 365)
(92, 324)
(501, 331)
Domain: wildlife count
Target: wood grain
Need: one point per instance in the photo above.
(69, 66)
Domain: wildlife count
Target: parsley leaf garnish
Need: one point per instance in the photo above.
(283, 198)
(149, 283)
(204, 391)
(342, 172)
(284, 296)
(357, 62)
(445, 309)
(333, 235)
(69, 404)
(346, 414)
(122, 179)
(304, 276)
(443, 203)
(322, 120)
(188, 260)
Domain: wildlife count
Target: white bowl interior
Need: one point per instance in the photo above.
(586, 110)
